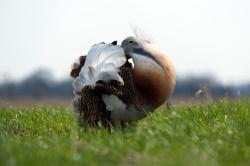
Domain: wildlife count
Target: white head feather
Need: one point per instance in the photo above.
(141, 35)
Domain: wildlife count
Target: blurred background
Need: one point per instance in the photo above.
(208, 42)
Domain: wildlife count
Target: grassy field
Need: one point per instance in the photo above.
(213, 134)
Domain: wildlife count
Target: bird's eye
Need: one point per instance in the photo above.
(131, 42)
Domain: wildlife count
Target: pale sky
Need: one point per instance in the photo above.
(209, 36)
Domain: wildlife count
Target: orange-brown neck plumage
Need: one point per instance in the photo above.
(154, 78)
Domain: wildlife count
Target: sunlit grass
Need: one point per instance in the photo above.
(213, 134)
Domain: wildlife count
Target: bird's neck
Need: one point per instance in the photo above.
(154, 81)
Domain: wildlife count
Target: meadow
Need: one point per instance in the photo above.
(200, 134)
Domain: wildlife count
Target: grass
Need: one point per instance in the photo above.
(213, 134)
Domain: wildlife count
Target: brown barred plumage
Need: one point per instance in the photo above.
(92, 109)
(76, 68)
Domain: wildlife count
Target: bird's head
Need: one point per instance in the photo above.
(130, 44)
(141, 50)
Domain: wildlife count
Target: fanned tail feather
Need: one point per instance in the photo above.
(102, 63)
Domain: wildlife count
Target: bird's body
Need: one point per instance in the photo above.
(144, 85)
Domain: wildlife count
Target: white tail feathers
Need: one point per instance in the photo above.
(102, 63)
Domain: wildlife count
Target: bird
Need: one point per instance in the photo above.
(130, 80)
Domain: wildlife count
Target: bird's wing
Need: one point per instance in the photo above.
(102, 63)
